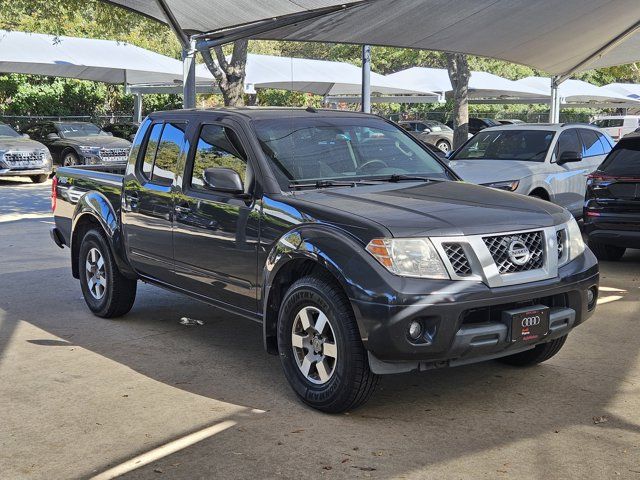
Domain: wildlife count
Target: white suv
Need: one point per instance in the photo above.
(548, 161)
(617, 126)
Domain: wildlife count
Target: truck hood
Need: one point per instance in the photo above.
(439, 208)
(19, 144)
(99, 141)
(488, 171)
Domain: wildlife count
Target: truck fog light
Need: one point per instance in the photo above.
(592, 297)
(415, 330)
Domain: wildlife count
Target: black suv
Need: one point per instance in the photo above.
(612, 205)
(79, 143)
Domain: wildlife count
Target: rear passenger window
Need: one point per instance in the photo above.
(218, 147)
(591, 145)
(171, 143)
(150, 150)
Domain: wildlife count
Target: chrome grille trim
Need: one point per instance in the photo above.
(458, 259)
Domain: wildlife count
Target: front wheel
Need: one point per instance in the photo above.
(538, 354)
(70, 159)
(106, 291)
(443, 145)
(320, 347)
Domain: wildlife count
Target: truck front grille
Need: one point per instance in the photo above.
(501, 248)
(458, 259)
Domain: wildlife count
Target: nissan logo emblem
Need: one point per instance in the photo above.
(518, 252)
(530, 321)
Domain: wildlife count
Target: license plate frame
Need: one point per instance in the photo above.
(528, 324)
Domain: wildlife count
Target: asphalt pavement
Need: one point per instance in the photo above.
(147, 397)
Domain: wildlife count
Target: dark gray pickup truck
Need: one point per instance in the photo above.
(358, 251)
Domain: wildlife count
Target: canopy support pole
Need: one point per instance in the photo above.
(137, 107)
(554, 110)
(189, 76)
(366, 79)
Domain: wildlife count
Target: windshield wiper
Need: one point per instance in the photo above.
(399, 177)
(330, 183)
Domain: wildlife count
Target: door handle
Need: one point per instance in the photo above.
(130, 201)
(180, 209)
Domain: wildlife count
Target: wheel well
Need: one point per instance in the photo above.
(286, 276)
(540, 192)
(85, 223)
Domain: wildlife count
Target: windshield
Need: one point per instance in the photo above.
(7, 131)
(315, 149)
(78, 129)
(528, 145)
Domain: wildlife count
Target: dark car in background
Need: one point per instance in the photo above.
(477, 124)
(79, 143)
(20, 156)
(126, 130)
(612, 201)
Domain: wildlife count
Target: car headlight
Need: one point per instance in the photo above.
(408, 257)
(574, 240)
(509, 186)
(90, 150)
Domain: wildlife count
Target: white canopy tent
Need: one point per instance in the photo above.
(319, 77)
(481, 84)
(89, 59)
(578, 93)
(630, 90)
(560, 37)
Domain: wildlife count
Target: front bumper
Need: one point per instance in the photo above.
(24, 172)
(462, 319)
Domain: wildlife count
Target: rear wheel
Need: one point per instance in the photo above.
(320, 347)
(443, 145)
(538, 354)
(106, 291)
(606, 252)
(39, 178)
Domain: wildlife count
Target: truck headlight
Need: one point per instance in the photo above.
(574, 240)
(408, 257)
(509, 186)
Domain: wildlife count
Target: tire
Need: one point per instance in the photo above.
(70, 159)
(602, 251)
(39, 178)
(347, 381)
(443, 145)
(114, 294)
(537, 354)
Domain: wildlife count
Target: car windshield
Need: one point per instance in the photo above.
(7, 131)
(79, 129)
(528, 145)
(325, 149)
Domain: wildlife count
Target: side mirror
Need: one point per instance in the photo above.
(569, 156)
(223, 180)
(53, 136)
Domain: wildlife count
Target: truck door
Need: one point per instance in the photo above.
(216, 233)
(147, 203)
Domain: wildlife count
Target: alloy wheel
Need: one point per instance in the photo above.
(96, 274)
(314, 345)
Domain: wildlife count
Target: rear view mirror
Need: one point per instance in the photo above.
(223, 180)
(569, 156)
(53, 136)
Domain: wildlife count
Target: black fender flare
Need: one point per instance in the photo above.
(97, 206)
(336, 251)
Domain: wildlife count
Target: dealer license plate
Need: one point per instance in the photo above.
(528, 324)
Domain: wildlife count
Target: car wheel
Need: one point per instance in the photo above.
(602, 251)
(538, 354)
(106, 291)
(321, 351)
(70, 159)
(443, 145)
(39, 178)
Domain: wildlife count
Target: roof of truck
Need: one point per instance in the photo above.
(266, 112)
